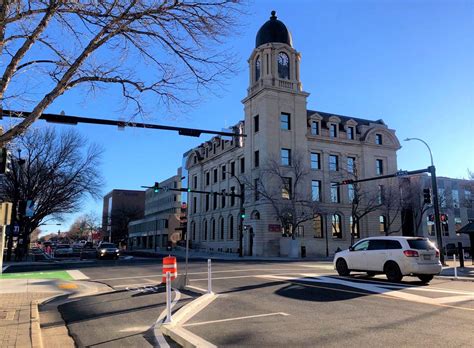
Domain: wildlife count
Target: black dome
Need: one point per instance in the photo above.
(273, 31)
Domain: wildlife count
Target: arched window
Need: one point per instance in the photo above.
(283, 66)
(356, 227)
(213, 230)
(336, 226)
(255, 215)
(221, 225)
(258, 65)
(205, 229)
(382, 224)
(318, 226)
(231, 227)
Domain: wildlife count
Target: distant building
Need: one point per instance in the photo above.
(120, 207)
(160, 223)
(280, 128)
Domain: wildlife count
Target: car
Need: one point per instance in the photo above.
(63, 250)
(395, 257)
(107, 250)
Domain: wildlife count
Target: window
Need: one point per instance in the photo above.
(382, 224)
(351, 193)
(333, 130)
(381, 195)
(213, 230)
(333, 163)
(318, 226)
(232, 197)
(223, 197)
(442, 198)
(215, 175)
(379, 167)
(378, 139)
(256, 190)
(286, 188)
(232, 168)
(242, 164)
(314, 128)
(315, 160)
(194, 205)
(223, 172)
(208, 178)
(257, 68)
(336, 226)
(214, 201)
(377, 244)
(354, 228)
(255, 124)
(205, 230)
(316, 190)
(392, 244)
(195, 182)
(285, 157)
(455, 196)
(221, 229)
(350, 133)
(231, 227)
(457, 223)
(351, 164)
(256, 159)
(361, 246)
(214, 146)
(285, 121)
(335, 198)
(207, 202)
(283, 66)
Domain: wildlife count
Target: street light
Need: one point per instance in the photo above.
(434, 189)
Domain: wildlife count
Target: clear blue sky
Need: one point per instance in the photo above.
(410, 63)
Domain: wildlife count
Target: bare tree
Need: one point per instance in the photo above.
(120, 219)
(285, 188)
(391, 207)
(56, 172)
(84, 226)
(143, 47)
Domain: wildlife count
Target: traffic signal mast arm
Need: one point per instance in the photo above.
(399, 173)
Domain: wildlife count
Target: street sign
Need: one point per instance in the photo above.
(402, 173)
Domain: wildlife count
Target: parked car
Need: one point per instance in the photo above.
(393, 256)
(107, 250)
(63, 250)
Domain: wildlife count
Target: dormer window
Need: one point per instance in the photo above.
(350, 133)
(283, 66)
(314, 127)
(333, 130)
(258, 65)
(378, 139)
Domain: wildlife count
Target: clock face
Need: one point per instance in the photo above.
(283, 66)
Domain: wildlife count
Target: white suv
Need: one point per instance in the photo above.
(394, 256)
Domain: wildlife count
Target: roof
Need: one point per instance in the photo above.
(360, 121)
(273, 30)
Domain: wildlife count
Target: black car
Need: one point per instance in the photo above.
(107, 250)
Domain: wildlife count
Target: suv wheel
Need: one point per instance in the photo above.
(341, 268)
(425, 278)
(392, 272)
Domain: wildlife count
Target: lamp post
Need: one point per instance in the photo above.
(434, 189)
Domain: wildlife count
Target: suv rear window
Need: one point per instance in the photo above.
(420, 244)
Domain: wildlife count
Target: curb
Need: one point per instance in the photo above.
(183, 337)
(35, 330)
(462, 279)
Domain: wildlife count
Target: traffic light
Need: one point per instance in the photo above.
(242, 213)
(427, 196)
(431, 218)
(444, 218)
(346, 182)
(5, 158)
(156, 187)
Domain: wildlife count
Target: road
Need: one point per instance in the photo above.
(276, 304)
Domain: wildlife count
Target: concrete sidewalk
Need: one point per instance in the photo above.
(464, 273)
(19, 315)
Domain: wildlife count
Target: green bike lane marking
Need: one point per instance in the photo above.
(63, 275)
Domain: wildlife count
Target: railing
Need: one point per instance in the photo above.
(285, 84)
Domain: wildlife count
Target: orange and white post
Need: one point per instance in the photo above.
(170, 272)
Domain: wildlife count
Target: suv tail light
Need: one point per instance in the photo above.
(411, 253)
(437, 253)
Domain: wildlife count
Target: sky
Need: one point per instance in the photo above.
(409, 63)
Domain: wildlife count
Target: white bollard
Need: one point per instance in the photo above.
(455, 268)
(209, 279)
(168, 298)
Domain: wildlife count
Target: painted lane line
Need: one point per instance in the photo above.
(160, 339)
(451, 299)
(135, 284)
(244, 276)
(77, 275)
(196, 288)
(236, 318)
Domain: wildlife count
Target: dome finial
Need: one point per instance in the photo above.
(273, 15)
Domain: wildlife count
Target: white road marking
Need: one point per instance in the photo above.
(331, 267)
(237, 318)
(156, 327)
(135, 329)
(77, 275)
(135, 284)
(196, 288)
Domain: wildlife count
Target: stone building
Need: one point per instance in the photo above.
(161, 221)
(280, 129)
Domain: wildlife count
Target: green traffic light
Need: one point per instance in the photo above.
(189, 190)
(242, 216)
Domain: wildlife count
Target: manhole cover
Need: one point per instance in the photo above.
(7, 315)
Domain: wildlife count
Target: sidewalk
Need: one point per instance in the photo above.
(19, 316)
(465, 273)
